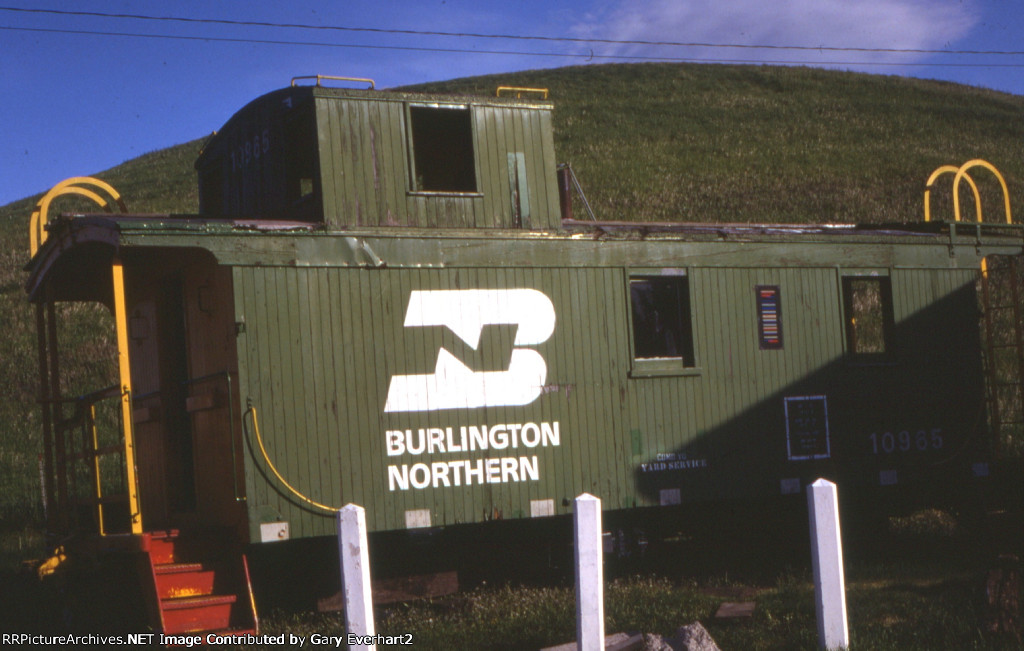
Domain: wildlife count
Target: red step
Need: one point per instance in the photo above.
(200, 584)
(161, 545)
(176, 580)
(197, 614)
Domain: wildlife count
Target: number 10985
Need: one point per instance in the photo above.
(906, 441)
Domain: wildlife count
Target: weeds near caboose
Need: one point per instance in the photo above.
(915, 607)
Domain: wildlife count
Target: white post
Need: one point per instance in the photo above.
(827, 557)
(355, 573)
(589, 573)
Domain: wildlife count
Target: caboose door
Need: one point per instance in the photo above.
(212, 398)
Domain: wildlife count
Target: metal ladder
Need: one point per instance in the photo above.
(1004, 345)
(1001, 309)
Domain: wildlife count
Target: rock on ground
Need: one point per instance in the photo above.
(692, 637)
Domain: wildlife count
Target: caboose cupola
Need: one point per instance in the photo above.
(355, 157)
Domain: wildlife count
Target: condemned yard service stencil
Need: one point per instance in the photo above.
(807, 428)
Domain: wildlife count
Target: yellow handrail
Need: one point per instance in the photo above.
(37, 223)
(977, 162)
(124, 371)
(518, 90)
(273, 469)
(97, 488)
(85, 417)
(945, 169)
(960, 174)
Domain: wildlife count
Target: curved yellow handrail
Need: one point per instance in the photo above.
(36, 231)
(273, 469)
(977, 162)
(945, 169)
(37, 223)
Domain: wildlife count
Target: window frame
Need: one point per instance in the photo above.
(884, 280)
(411, 140)
(670, 365)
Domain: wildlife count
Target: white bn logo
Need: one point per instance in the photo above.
(453, 385)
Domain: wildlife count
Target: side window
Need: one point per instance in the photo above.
(662, 326)
(867, 304)
(442, 146)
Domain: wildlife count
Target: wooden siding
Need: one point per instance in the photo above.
(729, 413)
(357, 146)
(321, 344)
(365, 168)
(318, 361)
(699, 416)
(362, 161)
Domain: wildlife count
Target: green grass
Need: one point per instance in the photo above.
(897, 604)
(916, 584)
(891, 607)
(714, 143)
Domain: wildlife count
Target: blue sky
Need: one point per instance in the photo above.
(83, 93)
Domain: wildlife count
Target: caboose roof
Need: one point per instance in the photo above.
(286, 98)
(80, 245)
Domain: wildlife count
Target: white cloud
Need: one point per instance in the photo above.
(892, 24)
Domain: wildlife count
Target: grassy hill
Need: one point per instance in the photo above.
(767, 144)
(651, 142)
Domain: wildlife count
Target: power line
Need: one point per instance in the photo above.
(586, 56)
(557, 39)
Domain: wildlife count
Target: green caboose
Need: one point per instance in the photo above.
(380, 303)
